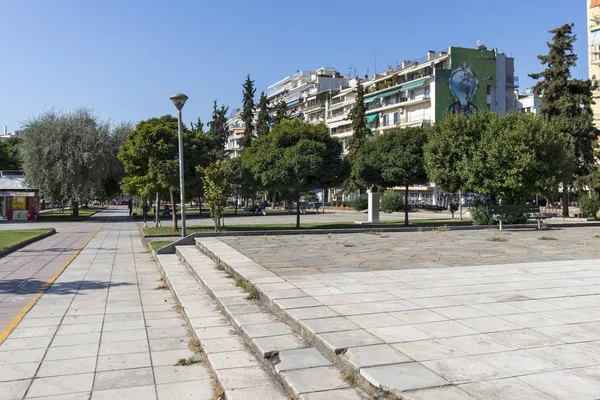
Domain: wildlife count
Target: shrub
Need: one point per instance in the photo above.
(589, 205)
(360, 203)
(344, 203)
(481, 215)
(336, 203)
(392, 202)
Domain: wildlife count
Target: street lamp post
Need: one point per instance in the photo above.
(179, 100)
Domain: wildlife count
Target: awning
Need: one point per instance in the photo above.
(293, 103)
(371, 117)
(413, 85)
(381, 95)
(336, 107)
(595, 38)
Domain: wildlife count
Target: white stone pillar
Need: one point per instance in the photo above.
(373, 206)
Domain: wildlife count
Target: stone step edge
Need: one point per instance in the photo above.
(336, 358)
(165, 273)
(267, 361)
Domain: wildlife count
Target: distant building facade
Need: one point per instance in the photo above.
(593, 24)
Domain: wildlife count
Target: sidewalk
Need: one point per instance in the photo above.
(102, 331)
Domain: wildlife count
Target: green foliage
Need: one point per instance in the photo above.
(589, 205)
(218, 131)
(344, 203)
(519, 154)
(393, 159)
(481, 215)
(295, 158)
(248, 112)
(150, 156)
(359, 124)
(280, 112)
(9, 155)
(262, 123)
(392, 201)
(68, 156)
(360, 203)
(566, 101)
(215, 190)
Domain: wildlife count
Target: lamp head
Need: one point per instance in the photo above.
(179, 100)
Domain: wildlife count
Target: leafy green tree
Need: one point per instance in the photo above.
(519, 155)
(392, 201)
(241, 181)
(248, 112)
(111, 187)
(450, 148)
(590, 205)
(9, 154)
(393, 159)
(67, 156)
(567, 102)
(280, 112)
(262, 123)
(294, 158)
(218, 131)
(360, 131)
(151, 160)
(215, 190)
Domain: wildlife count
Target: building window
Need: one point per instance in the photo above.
(333, 131)
(386, 120)
(489, 90)
(411, 95)
(427, 91)
(396, 118)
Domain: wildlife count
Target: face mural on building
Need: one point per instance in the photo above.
(463, 85)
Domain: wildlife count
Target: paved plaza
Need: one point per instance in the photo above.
(313, 254)
(504, 328)
(101, 331)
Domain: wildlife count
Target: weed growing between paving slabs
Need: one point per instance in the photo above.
(248, 288)
(351, 376)
(547, 238)
(496, 239)
(184, 362)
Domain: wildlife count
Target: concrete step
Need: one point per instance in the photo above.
(241, 375)
(299, 367)
(379, 369)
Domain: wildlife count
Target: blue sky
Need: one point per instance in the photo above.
(124, 58)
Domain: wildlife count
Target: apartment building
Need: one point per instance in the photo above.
(424, 91)
(236, 131)
(593, 23)
(527, 102)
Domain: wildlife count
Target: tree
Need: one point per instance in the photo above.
(9, 154)
(111, 186)
(151, 160)
(294, 158)
(567, 102)
(215, 190)
(360, 131)
(450, 148)
(280, 112)
(248, 112)
(218, 131)
(519, 155)
(393, 159)
(262, 123)
(67, 156)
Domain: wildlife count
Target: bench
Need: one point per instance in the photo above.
(532, 211)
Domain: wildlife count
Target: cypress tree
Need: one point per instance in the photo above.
(359, 124)
(218, 130)
(248, 112)
(262, 123)
(567, 102)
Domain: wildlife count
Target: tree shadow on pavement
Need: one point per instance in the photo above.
(32, 286)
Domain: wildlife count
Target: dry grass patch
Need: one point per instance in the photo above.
(496, 239)
(184, 362)
(247, 287)
(351, 376)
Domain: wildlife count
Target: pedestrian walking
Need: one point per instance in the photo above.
(145, 209)
(130, 205)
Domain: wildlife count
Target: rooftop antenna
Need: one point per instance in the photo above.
(375, 65)
(478, 44)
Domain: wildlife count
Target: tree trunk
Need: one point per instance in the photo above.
(274, 199)
(173, 210)
(460, 204)
(236, 204)
(298, 212)
(565, 201)
(406, 206)
(75, 208)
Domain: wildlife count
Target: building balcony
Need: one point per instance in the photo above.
(595, 23)
(595, 57)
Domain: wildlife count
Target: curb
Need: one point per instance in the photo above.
(25, 243)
